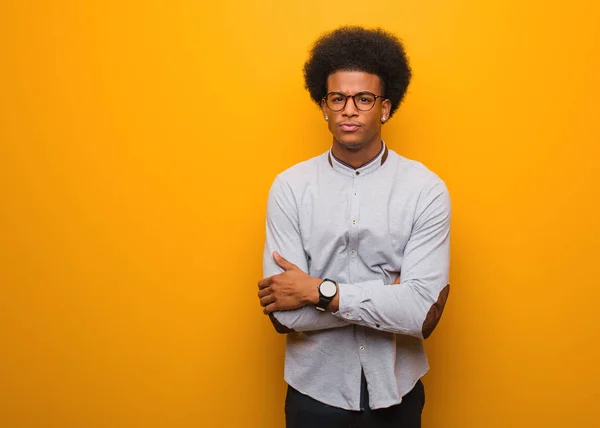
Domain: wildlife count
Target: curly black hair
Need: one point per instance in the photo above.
(353, 48)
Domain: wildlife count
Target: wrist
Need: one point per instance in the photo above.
(313, 292)
(334, 306)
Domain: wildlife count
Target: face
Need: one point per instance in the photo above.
(352, 127)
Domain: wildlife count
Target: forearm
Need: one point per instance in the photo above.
(412, 308)
(306, 318)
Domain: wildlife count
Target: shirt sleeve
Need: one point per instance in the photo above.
(283, 235)
(414, 306)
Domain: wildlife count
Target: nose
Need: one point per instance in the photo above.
(350, 109)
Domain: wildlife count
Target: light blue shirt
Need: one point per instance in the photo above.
(361, 228)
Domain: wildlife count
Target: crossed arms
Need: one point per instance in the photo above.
(412, 307)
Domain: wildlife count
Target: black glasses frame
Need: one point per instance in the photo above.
(353, 100)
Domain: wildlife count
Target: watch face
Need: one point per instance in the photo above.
(328, 289)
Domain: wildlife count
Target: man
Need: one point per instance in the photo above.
(357, 249)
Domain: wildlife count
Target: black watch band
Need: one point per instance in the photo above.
(323, 303)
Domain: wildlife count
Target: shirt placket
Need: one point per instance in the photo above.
(354, 227)
(354, 256)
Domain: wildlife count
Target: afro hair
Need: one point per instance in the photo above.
(358, 49)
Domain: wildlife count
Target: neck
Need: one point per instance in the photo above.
(357, 155)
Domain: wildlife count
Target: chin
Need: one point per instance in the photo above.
(350, 143)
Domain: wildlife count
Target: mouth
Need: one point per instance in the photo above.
(348, 126)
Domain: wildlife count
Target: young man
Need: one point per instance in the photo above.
(357, 249)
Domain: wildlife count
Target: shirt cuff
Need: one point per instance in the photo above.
(352, 298)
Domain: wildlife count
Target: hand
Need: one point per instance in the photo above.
(397, 281)
(291, 289)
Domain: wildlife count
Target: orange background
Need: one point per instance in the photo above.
(138, 141)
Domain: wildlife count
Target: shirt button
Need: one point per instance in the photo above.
(362, 348)
(353, 221)
(355, 194)
(347, 314)
(357, 172)
(352, 252)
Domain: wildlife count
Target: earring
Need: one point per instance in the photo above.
(383, 119)
(326, 118)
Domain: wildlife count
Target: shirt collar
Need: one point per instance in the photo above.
(366, 168)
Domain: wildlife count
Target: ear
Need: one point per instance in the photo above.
(324, 108)
(386, 107)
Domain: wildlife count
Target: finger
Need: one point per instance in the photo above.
(264, 292)
(267, 300)
(265, 282)
(283, 263)
(270, 308)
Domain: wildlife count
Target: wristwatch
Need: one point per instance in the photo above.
(327, 291)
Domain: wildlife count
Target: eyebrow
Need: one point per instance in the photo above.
(359, 92)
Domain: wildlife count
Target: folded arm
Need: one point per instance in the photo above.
(415, 306)
(283, 236)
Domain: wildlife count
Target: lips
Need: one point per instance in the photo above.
(349, 126)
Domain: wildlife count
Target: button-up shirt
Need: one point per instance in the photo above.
(361, 228)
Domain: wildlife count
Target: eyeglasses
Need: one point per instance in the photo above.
(363, 101)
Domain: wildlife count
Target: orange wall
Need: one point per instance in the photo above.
(138, 141)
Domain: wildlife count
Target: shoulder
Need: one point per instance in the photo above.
(291, 183)
(302, 171)
(417, 176)
(301, 174)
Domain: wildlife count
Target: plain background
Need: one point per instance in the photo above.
(138, 141)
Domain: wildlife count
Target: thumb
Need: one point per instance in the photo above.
(283, 263)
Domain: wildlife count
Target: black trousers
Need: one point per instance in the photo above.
(301, 411)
